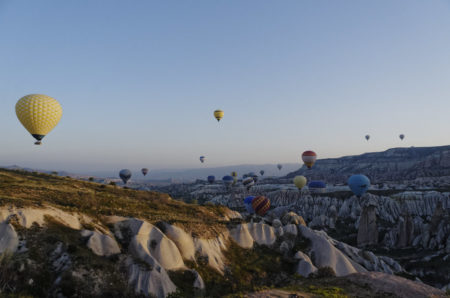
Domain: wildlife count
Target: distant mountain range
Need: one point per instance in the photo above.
(178, 175)
(270, 170)
(395, 164)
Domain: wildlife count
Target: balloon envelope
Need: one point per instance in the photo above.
(248, 182)
(317, 187)
(300, 181)
(262, 172)
(359, 184)
(218, 114)
(248, 204)
(125, 175)
(309, 158)
(261, 205)
(317, 184)
(279, 166)
(233, 174)
(39, 114)
(227, 180)
(367, 137)
(144, 171)
(211, 179)
(202, 159)
(402, 136)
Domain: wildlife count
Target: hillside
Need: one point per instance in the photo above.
(396, 164)
(23, 188)
(60, 237)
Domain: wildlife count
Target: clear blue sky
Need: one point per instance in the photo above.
(139, 80)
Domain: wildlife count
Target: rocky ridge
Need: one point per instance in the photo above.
(166, 248)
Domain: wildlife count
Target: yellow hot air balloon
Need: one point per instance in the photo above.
(300, 181)
(218, 114)
(39, 114)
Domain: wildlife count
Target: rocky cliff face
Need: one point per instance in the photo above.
(411, 225)
(395, 164)
(147, 255)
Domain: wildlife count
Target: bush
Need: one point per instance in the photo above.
(325, 272)
(112, 183)
(91, 179)
(55, 173)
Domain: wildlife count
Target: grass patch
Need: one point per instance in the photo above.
(22, 189)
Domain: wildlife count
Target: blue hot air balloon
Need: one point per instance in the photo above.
(317, 186)
(202, 159)
(211, 179)
(359, 184)
(125, 175)
(248, 204)
(228, 180)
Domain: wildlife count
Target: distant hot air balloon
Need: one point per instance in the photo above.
(233, 174)
(402, 136)
(39, 114)
(279, 166)
(261, 205)
(202, 159)
(300, 181)
(211, 179)
(227, 180)
(367, 137)
(359, 184)
(262, 172)
(309, 158)
(144, 171)
(248, 204)
(254, 176)
(317, 186)
(248, 182)
(218, 114)
(125, 175)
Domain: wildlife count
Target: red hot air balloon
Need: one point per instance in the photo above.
(309, 158)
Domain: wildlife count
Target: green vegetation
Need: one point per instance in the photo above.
(22, 188)
(325, 272)
(247, 270)
(330, 292)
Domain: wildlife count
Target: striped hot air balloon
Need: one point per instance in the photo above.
(261, 205)
(309, 158)
(248, 182)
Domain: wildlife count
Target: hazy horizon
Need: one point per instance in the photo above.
(138, 82)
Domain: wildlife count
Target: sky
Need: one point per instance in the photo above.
(139, 80)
